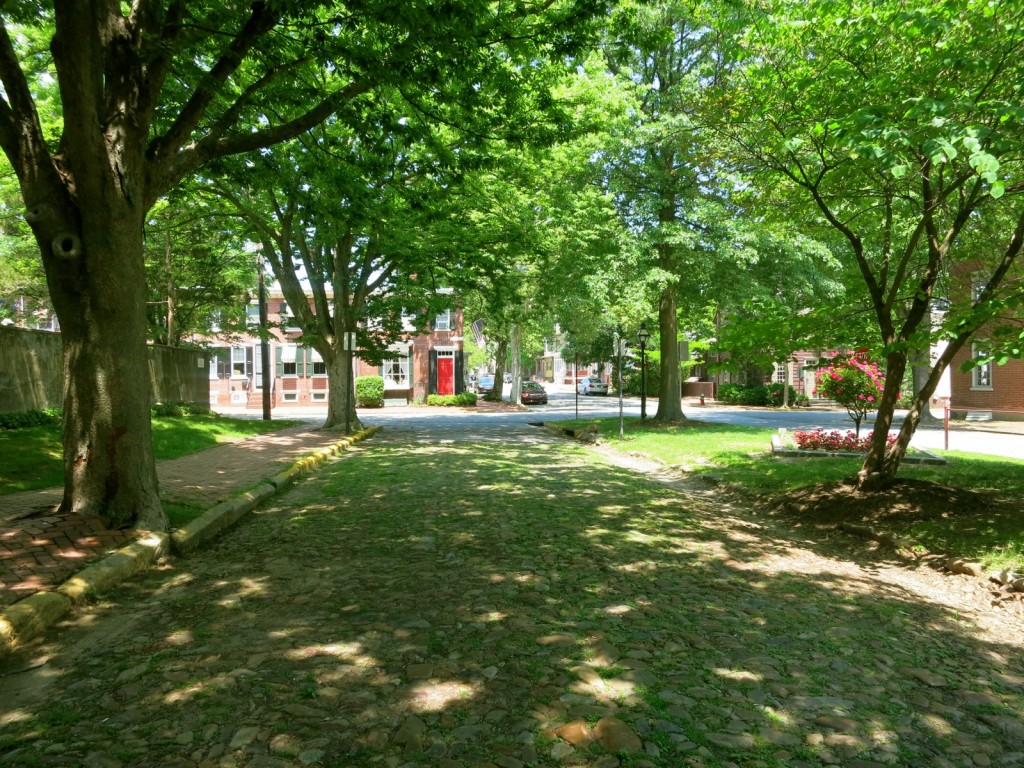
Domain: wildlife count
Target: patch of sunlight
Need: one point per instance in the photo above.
(777, 717)
(183, 695)
(741, 536)
(180, 637)
(643, 566)
(436, 697)
(464, 538)
(492, 616)
(617, 509)
(597, 532)
(738, 675)
(618, 610)
(337, 650)
(637, 537)
(883, 736)
(473, 513)
(938, 725)
(15, 716)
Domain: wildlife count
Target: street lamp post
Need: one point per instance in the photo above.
(642, 336)
(620, 342)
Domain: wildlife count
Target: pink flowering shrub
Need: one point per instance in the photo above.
(820, 440)
(854, 382)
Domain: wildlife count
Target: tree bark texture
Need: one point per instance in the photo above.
(670, 404)
(341, 392)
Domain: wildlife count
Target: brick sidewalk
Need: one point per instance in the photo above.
(40, 549)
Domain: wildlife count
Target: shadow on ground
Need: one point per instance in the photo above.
(502, 603)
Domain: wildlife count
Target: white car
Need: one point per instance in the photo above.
(592, 387)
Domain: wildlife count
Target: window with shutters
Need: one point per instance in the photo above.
(239, 363)
(289, 361)
(396, 373)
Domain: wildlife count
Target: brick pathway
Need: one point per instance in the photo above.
(39, 548)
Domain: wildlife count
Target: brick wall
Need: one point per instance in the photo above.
(1007, 387)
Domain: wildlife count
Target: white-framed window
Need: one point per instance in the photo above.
(981, 375)
(780, 374)
(289, 357)
(290, 397)
(213, 367)
(319, 366)
(978, 283)
(396, 373)
(239, 363)
(288, 317)
(445, 321)
(318, 397)
(252, 314)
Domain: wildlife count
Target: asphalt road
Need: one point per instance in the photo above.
(565, 405)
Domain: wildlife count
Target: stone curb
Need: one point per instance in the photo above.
(32, 616)
(779, 449)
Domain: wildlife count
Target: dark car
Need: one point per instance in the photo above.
(533, 393)
(485, 384)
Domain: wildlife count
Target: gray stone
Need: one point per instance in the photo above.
(243, 737)
(732, 740)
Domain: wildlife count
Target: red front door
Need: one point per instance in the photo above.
(446, 375)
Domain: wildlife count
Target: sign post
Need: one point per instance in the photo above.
(348, 343)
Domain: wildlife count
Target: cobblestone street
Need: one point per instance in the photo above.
(508, 600)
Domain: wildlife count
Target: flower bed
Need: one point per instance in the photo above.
(820, 440)
(836, 444)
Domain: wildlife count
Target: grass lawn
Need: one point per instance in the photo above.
(986, 527)
(31, 458)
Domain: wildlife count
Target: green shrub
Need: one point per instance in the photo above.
(738, 394)
(37, 417)
(168, 409)
(370, 391)
(178, 409)
(775, 395)
(463, 399)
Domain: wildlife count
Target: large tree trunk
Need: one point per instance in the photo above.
(516, 395)
(499, 370)
(670, 403)
(880, 463)
(341, 388)
(94, 280)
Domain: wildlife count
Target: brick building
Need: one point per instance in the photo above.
(423, 363)
(998, 389)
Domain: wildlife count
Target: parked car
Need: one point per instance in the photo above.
(533, 393)
(590, 386)
(485, 384)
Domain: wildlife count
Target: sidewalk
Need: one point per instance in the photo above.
(40, 549)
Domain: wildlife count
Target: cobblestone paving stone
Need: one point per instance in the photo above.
(514, 602)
